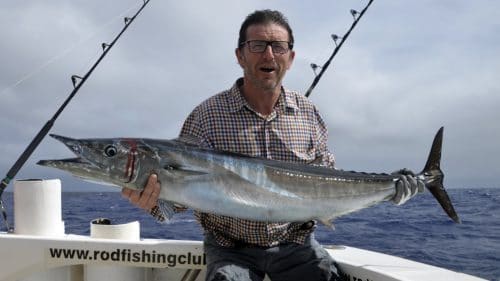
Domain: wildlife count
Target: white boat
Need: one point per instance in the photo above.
(39, 249)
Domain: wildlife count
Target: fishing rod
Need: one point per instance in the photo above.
(77, 83)
(357, 16)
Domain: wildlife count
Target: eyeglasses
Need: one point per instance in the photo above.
(259, 46)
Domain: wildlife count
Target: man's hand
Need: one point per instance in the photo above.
(147, 198)
(407, 186)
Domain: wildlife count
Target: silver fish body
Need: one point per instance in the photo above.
(237, 185)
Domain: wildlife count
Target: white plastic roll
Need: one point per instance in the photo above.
(37, 207)
(102, 228)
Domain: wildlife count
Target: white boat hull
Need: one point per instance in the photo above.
(78, 258)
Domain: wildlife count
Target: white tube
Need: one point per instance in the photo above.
(37, 207)
(102, 228)
(37, 211)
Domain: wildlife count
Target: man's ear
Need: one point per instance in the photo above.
(239, 56)
(292, 57)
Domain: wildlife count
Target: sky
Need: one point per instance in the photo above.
(408, 68)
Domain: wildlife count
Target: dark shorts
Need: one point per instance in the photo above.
(289, 262)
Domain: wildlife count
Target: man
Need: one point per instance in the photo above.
(258, 117)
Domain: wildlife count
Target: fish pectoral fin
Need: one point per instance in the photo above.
(167, 209)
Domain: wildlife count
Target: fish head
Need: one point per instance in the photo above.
(114, 160)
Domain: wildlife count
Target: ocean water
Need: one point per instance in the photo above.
(418, 230)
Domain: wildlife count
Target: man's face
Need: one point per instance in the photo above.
(265, 70)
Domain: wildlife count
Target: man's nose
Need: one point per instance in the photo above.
(268, 52)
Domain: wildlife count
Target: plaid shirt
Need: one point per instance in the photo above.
(293, 132)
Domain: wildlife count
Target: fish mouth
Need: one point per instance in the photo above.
(80, 168)
(67, 162)
(76, 166)
(75, 147)
(72, 144)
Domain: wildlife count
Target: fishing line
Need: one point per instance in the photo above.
(339, 41)
(119, 17)
(78, 81)
(64, 53)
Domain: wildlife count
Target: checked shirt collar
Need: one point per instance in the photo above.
(285, 103)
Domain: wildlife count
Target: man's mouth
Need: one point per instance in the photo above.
(267, 69)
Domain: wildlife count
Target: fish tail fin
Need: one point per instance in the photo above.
(433, 177)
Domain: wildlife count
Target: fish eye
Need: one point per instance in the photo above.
(110, 151)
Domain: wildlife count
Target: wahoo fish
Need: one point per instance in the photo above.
(237, 185)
